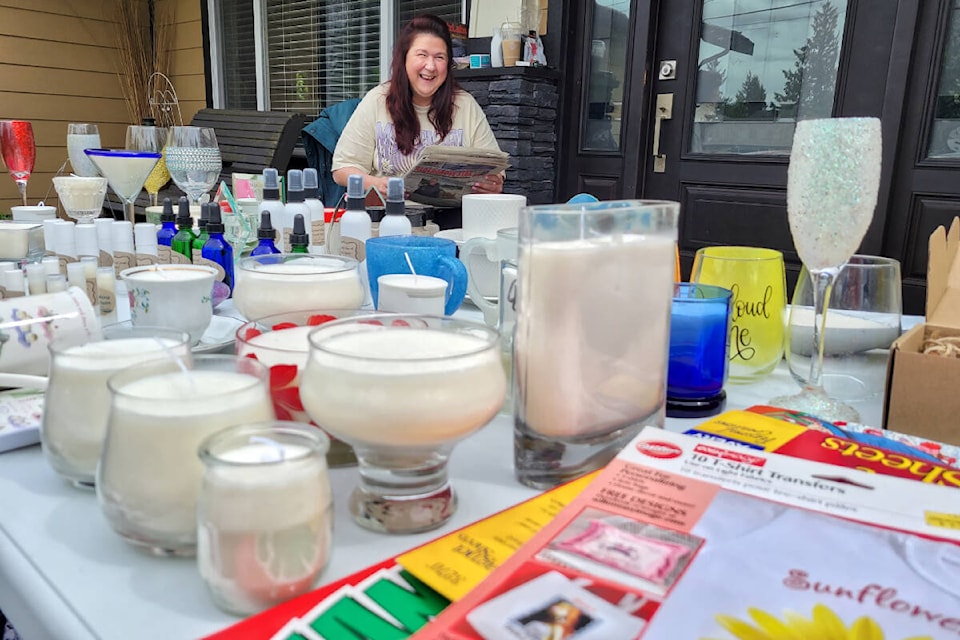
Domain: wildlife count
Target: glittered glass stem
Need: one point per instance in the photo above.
(822, 282)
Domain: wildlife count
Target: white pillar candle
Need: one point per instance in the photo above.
(407, 293)
(78, 400)
(149, 475)
(264, 518)
(105, 240)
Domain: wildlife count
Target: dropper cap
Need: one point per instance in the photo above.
(299, 234)
(205, 214)
(395, 203)
(184, 219)
(266, 230)
(295, 186)
(355, 195)
(271, 184)
(311, 183)
(214, 222)
(167, 214)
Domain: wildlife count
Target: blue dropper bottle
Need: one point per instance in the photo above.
(216, 248)
(266, 234)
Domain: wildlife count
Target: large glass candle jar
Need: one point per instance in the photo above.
(280, 342)
(265, 514)
(78, 400)
(149, 473)
(281, 282)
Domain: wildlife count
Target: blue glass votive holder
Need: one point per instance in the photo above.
(697, 371)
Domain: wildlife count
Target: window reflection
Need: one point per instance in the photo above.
(945, 133)
(763, 65)
(606, 73)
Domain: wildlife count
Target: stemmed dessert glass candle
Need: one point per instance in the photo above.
(81, 197)
(832, 186)
(402, 389)
(19, 152)
(126, 171)
(193, 159)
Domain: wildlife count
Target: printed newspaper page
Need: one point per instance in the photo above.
(444, 174)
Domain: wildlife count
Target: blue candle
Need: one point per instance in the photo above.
(699, 318)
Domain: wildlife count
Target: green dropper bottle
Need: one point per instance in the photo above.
(299, 240)
(181, 244)
(201, 238)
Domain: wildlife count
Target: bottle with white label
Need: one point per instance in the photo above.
(296, 205)
(65, 243)
(356, 228)
(105, 240)
(271, 200)
(395, 223)
(107, 294)
(123, 252)
(87, 242)
(145, 242)
(311, 189)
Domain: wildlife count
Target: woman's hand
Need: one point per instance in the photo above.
(492, 183)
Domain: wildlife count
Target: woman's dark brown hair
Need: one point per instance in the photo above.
(400, 96)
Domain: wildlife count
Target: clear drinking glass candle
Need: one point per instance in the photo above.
(265, 514)
(78, 400)
(149, 473)
(281, 282)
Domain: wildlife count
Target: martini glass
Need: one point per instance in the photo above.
(193, 158)
(832, 186)
(19, 152)
(126, 171)
(81, 197)
(150, 138)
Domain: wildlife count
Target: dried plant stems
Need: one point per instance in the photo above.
(144, 45)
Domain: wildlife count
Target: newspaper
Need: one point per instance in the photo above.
(444, 174)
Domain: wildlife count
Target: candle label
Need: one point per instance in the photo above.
(178, 258)
(92, 291)
(164, 254)
(741, 313)
(317, 233)
(106, 258)
(146, 259)
(123, 260)
(106, 300)
(64, 261)
(285, 238)
(353, 248)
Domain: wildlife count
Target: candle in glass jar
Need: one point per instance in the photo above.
(264, 516)
(361, 375)
(604, 371)
(280, 346)
(317, 282)
(78, 400)
(149, 475)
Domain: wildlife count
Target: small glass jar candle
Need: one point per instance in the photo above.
(264, 514)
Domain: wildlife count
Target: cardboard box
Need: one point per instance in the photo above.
(923, 390)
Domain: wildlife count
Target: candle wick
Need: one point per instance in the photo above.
(175, 357)
(275, 451)
(410, 264)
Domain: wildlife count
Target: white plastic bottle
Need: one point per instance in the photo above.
(295, 204)
(496, 50)
(317, 231)
(395, 223)
(356, 228)
(271, 201)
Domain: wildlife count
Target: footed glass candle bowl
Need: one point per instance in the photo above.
(403, 389)
(281, 282)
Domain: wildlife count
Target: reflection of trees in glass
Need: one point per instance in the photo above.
(750, 101)
(810, 85)
(948, 103)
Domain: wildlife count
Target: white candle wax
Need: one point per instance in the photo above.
(591, 339)
(291, 286)
(284, 346)
(265, 524)
(20, 240)
(156, 426)
(407, 293)
(78, 400)
(168, 273)
(383, 401)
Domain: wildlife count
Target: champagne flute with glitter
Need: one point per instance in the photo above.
(832, 186)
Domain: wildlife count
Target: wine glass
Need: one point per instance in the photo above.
(80, 136)
(126, 171)
(19, 152)
(832, 186)
(81, 196)
(150, 138)
(193, 159)
(402, 389)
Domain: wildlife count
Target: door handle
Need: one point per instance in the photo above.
(664, 112)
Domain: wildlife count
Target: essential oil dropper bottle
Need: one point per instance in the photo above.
(299, 240)
(182, 243)
(266, 234)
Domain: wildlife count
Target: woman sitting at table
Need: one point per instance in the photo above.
(421, 105)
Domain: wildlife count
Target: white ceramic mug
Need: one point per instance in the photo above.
(483, 258)
(485, 213)
(29, 323)
(407, 293)
(173, 296)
